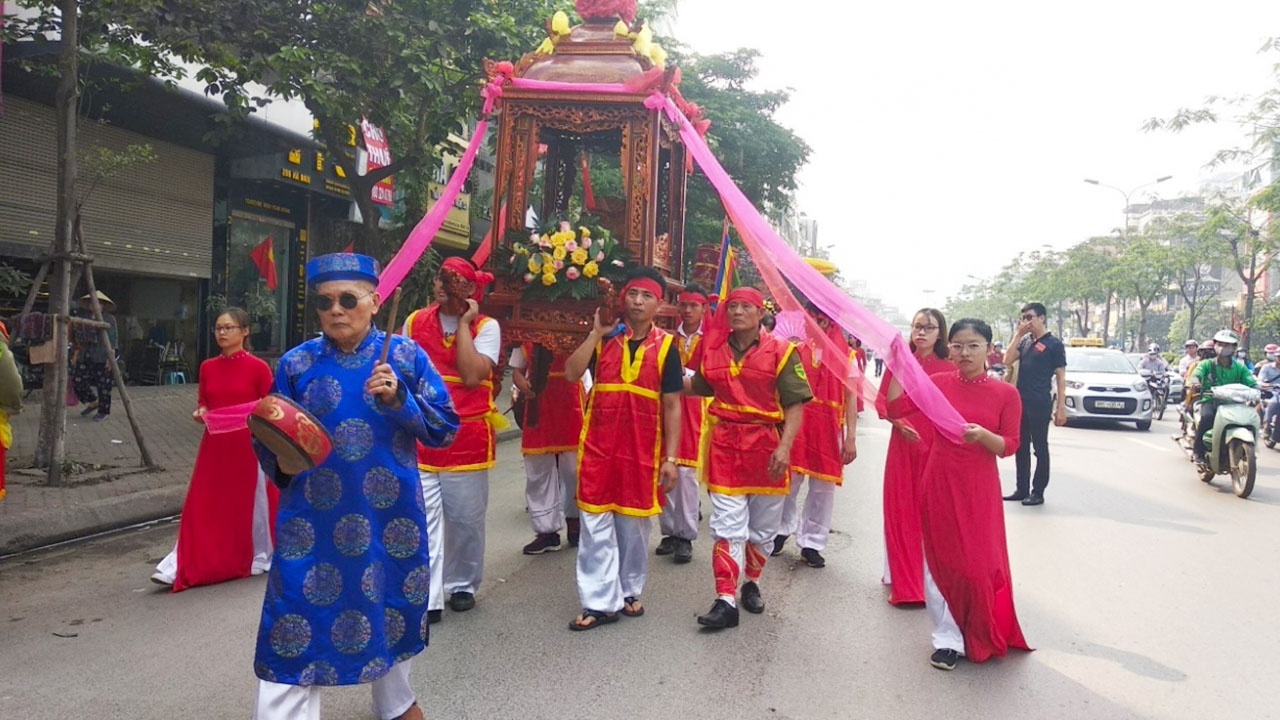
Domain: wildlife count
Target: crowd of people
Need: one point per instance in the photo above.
(364, 551)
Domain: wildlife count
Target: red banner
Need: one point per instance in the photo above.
(379, 154)
(264, 258)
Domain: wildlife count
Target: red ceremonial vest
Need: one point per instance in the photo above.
(618, 459)
(560, 408)
(818, 446)
(743, 418)
(472, 448)
(691, 407)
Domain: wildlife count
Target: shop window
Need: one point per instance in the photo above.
(248, 275)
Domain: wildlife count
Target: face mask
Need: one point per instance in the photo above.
(1226, 352)
(1271, 358)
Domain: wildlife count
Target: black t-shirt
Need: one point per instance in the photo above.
(672, 371)
(1038, 360)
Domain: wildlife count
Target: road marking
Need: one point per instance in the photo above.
(1146, 444)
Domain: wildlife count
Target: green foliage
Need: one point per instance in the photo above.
(260, 302)
(531, 260)
(14, 283)
(101, 163)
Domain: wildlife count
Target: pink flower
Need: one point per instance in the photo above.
(572, 273)
(617, 263)
(565, 226)
(586, 242)
(534, 237)
(528, 277)
(543, 242)
(571, 246)
(600, 256)
(559, 264)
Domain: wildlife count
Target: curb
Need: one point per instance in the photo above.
(112, 514)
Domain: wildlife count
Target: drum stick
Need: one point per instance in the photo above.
(391, 325)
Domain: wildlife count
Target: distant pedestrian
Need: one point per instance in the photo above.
(10, 398)
(228, 516)
(90, 372)
(1042, 361)
(879, 364)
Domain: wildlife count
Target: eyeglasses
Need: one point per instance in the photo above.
(967, 347)
(923, 329)
(224, 329)
(347, 300)
(1029, 317)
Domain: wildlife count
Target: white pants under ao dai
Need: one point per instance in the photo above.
(455, 504)
(551, 490)
(811, 527)
(680, 517)
(613, 559)
(946, 633)
(738, 520)
(392, 697)
(261, 529)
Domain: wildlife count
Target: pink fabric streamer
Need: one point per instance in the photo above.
(770, 253)
(228, 419)
(773, 255)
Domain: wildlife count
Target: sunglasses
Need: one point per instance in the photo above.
(347, 300)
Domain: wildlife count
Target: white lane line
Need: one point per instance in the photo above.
(1145, 444)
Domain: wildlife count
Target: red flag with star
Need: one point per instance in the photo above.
(265, 260)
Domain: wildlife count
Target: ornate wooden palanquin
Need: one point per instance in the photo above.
(649, 217)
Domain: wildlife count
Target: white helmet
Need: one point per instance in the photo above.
(1226, 337)
(1153, 349)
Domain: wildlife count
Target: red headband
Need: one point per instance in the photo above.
(746, 294)
(464, 268)
(692, 297)
(643, 283)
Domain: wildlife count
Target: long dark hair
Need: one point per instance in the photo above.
(939, 345)
(973, 324)
(240, 317)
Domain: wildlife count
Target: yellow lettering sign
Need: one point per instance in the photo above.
(319, 162)
(295, 157)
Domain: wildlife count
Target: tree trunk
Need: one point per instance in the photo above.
(51, 449)
(1106, 321)
(1250, 284)
(1142, 324)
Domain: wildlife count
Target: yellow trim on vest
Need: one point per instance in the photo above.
(838, 480)
(766, 414)
(627, 388)
(763, 490)
(621, 509)
(556, 450)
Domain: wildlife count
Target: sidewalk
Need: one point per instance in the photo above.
(114, 491)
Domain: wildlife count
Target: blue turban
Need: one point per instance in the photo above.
(341, 266)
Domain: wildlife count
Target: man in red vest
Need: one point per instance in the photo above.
(464, 346)
(552, 425)
(756, 382)
(826, 444)
(679, 519)
(629, 441)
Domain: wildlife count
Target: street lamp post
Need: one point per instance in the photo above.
(1124, 235)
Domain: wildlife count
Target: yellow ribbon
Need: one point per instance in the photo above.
(6, 432)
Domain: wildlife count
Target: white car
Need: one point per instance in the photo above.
(1103, 385)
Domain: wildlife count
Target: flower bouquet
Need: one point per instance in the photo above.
(561, 262)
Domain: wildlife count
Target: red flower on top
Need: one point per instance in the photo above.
(607, 9)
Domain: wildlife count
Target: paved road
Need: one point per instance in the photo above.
(1147, 594)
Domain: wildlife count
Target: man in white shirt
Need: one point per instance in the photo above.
(1190, 359)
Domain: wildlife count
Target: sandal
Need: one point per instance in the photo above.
(630, 605)
(596, 617)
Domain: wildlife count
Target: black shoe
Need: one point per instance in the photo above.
(684, 551)
(722, 615)
(434, 616)
(572, 529)
(750, 598)
(667, 546)
(944, 659)
(813, 558)
(1016, 497)
(544, 542)
(778, 542)
(1034, 500)
(462, 601)
(88, 410)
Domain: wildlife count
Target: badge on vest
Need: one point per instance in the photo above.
(1040, 347)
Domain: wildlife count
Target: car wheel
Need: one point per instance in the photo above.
(1144, 425)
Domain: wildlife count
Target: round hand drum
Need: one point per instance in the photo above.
(295, 436)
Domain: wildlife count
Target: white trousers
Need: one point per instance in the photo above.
(739, 519)
(551, 490)
(811, 527)
(946, 633)
(613, 559)
(392, 697)
(260, 527)
(455, 504)
(680, 517)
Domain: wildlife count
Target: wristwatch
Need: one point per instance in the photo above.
(671, 460)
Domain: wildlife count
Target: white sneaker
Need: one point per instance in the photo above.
(160, 578)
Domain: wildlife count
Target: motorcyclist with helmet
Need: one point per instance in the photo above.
(1153, 362)
(1224, 369)
(1268, 374)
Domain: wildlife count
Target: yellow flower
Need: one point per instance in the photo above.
(546, 258)
(591, 269)
(586, 233)
(558, 253)
(546, 48)
(579, 256)
(560, 23)
(535, 264)
(548, 279)
(621, 29)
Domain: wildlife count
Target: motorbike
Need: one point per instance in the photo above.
(995, 372)
(1158, 385)
(1270, 428)
(1230, 444)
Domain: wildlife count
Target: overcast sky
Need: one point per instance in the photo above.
(947, 137)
